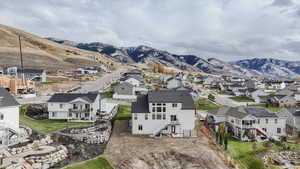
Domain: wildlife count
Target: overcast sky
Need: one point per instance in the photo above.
(225, 29)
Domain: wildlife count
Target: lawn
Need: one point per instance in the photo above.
(50, 82)
(98, 163)
(224, 93)
(241, 99)
(245, 156)
(270, 108)
(205, 104)
(46, 126)
(108, 94)
(124, 112)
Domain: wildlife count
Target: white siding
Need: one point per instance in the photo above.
(11, 117)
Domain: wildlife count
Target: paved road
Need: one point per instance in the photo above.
(100, 84)
(225, 100)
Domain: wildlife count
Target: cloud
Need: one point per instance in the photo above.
(226, 29)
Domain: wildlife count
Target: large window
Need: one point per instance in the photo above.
(153, 116)
(158, 116)
(278, 130)
(140, 127)
(174, 105)
(53, 114)
(267, 121)
(159, 107)
(135, 116)
(173, 118)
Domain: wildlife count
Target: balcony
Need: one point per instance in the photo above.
(72, 110)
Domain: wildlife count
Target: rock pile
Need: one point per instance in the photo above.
(97, 134)
(48, 160)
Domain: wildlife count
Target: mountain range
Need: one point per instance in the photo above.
(148, 55)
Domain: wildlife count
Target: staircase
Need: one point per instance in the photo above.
(158, 129)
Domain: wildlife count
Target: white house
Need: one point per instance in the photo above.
(9, 117)
(80, 107)
(256, 94)
(125, 91)
(249, 123)
(135, 82)
(293, 120)
(174, 83)
(167, 112)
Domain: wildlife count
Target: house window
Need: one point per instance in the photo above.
(75, 106)
(153, 116)
(158, 116)
(153, 104)
(267, 121)
(164, 116)
(140, 127)
(70, 114)
(258, 121)
(61, 106)
(53, 114)
(173, 118)
(276, 121)
(264, 129)
(146, 116)
(278, 130)
(153, 109)
(135, 116)
(174, 105)
(1, 116)
(164, 109)
(158, 109)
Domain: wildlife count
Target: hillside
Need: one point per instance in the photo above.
(42, 53)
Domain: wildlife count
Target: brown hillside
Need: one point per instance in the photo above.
(42, 53)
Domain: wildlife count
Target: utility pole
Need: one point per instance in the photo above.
(22, 66)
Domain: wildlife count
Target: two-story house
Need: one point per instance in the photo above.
(249, 123)
(293, 120)
(81, 107)
(169, 112)
(9, 117)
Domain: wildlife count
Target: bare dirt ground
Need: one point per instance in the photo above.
(126, 151)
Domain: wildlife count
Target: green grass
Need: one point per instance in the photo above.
(270, 108)
(46, 126)
(124, 112)
(205, 104)
(242, 99)
(98, 163)
(224, 93)
(244, 154)
(108, 94)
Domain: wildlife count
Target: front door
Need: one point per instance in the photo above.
(173, 129)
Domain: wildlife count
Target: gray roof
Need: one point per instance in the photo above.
(40, 71)
(172, 96)
(141, 105)
(294, 111)
(67, 97)
(259, 112)
(6, 99)
(241, 112)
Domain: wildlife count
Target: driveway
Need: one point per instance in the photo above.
(226, 101)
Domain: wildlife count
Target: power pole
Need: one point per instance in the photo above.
(21, 56)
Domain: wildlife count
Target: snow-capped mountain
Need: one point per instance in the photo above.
(149, 55)
(272, 67)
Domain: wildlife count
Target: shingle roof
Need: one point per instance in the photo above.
(259, 112)
(294, 111)
(6, 99)
(141, 105)
(67, 97)
(31, 70)
(172, 96)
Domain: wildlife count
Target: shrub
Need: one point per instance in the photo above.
(256, 163)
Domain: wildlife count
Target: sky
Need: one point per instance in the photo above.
(224, 29)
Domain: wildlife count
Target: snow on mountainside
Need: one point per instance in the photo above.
(272, 67)
(149, 55)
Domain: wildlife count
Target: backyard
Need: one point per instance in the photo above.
(205, 104)
(241, 99)
(248, 156)
(46, 126)
(98, 163)
(124, 112)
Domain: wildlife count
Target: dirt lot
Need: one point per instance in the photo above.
(126, 151)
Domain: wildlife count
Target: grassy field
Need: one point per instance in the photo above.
(108, 94)
(50, 82)
(124, 112)
(242, 99)
(270, 108)
(205, 104)
(245, 156)
(46, 126)
(98, 163)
